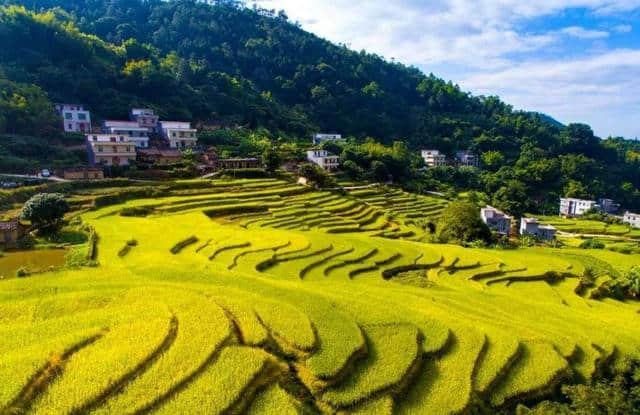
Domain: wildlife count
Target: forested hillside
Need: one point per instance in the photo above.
(224, 63)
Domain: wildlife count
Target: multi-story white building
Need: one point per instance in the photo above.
(179, 134)
(496, 220)
(138, 135)
(323, 159)
(145, 118)
(74, 117)
(434, 158)
(632, 219)
(110, 149)
(320, 138)
(531, 226)
(576, 207)
(466, 158)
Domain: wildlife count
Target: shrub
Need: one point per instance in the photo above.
(26, 242)
(592, 244)
(45, 210)
(92, 252)
(22, 272)
(136, 211)
(127, 248)
(461, 223)
(183, 244)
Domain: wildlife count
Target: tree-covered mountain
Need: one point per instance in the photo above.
(220, 62)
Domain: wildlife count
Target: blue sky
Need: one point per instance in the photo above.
(576, 60)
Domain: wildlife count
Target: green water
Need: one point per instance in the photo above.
(33, 261)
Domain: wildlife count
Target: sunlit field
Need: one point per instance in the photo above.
(262, 297)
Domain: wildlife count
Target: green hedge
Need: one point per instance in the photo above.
(21, 195)
(183, 244)
(245, 173)
(232, 209)
(125, 195)
(127, 248)
(136, 211)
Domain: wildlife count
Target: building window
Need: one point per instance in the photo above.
(71, 126)
(99, 149)
(82, 116)
(68, 116)
(115, 149)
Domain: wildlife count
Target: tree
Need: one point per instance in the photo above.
(188, 156)
(379, 171)
(45, 210)
(512, 198)
(352, 170)
(271, 159)
(492, 160)
(461, 223)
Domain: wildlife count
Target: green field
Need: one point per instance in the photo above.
(263, 297)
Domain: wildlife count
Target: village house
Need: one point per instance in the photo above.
(632, 219)
(179, 134)
(83, 173)
(146, 118)
(434, 158)
(531, 226)
(11, 231)
(110, 149)
(323, 159)
(161, 157)
(321, 138)
(571, 207)
(74, 117)
(496, 220)
(466, 158)
(138, 135)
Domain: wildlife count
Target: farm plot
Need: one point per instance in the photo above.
(258, 297)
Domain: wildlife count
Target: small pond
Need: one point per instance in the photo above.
(33, 261)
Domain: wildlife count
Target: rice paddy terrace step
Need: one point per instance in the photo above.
(282, 305)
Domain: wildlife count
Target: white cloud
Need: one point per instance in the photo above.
(602, 89)
(475, 39)
(623, 28)
(582, 33)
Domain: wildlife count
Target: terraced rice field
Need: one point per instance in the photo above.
(262, 297)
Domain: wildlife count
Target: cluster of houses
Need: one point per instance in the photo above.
(435, 158)
(119, 142)
(575, 208)
(501, 223)
(144, 137)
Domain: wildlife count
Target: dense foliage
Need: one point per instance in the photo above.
(45, 209)
(461, 223)
(220, 63)
(618, 395)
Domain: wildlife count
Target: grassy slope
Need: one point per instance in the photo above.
(477, 334)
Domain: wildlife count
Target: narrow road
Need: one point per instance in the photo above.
(31, 176)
